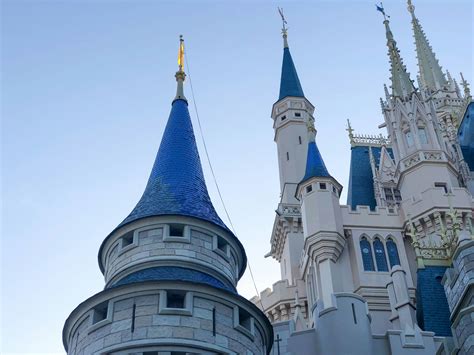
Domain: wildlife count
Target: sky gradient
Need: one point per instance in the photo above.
(86, 92)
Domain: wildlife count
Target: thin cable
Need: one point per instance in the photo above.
(212, 171)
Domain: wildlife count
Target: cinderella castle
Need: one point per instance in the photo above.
(390, 272)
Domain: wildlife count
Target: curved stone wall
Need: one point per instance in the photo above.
(151, 242)
(136, 318)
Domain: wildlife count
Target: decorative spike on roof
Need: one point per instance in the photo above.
(176, 184)
(402, 86)
(315, 166)
(431, 73)
(290, 83)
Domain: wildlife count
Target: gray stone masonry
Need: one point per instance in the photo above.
(458, 284)
(150, 246)
(152, 329)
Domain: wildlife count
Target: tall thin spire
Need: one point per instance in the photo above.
(431, 73)
(180, 74)
(402, 86)
(290, 83)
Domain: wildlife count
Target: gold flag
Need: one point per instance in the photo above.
(181, 54)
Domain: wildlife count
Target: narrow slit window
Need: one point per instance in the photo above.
(287, 156)
(299, 140)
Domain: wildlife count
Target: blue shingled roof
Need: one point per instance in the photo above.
(361, 180)
(176, 184)
(172, 273)
(466, 136)
(315, 166)
(289, 84)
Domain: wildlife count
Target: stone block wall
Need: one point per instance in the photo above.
(136, 321)
(152, 244)
(458, 285)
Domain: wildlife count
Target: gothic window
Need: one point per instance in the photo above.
(392, 253)
(409, 138)
(422, 135)
(380, 257)
(367, 258)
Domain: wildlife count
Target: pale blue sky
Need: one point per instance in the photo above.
(87, 88)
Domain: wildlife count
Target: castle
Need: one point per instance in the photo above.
(391, 272)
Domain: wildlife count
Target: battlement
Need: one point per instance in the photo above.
(279, 301)
(363, 216)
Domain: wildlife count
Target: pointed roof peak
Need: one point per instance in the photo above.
(431, 73)
(315, 166)
(402, 85)
(290, 83)
(176, 185)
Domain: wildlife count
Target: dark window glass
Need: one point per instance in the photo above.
(392, 253)
(380, 257)
(367, 259)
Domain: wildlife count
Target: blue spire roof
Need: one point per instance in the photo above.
(289, 84)
(315, 166)
(176, 184)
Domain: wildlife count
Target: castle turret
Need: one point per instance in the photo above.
(290, 114)
(171, 267)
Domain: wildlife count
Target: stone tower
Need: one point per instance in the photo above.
(171, 267)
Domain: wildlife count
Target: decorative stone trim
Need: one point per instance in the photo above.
(186, 311)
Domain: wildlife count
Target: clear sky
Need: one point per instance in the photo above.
(87, 88)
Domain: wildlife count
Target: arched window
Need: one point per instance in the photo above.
(367, 259)
(380, 257)
(392, 253)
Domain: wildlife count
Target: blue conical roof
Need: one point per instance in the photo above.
(315, 166)
(290, 83)
(176, 184)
